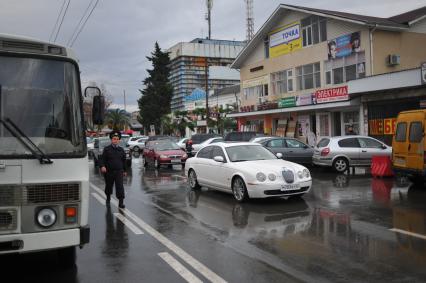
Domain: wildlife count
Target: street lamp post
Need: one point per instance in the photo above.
(207, 93)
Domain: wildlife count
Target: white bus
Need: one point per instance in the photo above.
(44, 174)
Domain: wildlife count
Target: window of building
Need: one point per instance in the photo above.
(344, 69)
(255, 91)
(266, 45)
(282, 82)
(308, 76)
(314, 30)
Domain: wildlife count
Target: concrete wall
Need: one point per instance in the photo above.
(410, 46)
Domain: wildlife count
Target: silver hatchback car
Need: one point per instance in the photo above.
(347, 151)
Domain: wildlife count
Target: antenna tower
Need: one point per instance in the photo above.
(250, 19)
(208, 15)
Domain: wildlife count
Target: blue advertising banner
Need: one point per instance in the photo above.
(344, 45)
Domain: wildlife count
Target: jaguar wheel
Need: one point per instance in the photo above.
(239, 189)
(192, 180)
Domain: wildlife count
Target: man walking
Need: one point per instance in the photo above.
(113, 166)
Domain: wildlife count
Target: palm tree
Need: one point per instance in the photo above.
(117, 119)
(182, 121)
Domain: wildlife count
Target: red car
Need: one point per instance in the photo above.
(163, 152)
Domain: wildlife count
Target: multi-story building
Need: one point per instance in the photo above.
(189, 62)
(320, 71)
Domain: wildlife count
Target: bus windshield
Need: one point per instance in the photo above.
(42, 98)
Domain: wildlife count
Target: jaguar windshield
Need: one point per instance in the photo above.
(42, 98)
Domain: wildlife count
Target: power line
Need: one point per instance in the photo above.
(62, 20)
(93, 8)
(79, 23)
(57, 20)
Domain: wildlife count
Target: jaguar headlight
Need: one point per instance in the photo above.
(306, 173)
(272, 177)
(46, 217)
(261, 177)
(300, 174)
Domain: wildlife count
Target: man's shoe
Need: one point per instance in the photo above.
(121, 204)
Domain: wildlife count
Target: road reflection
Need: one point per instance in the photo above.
(116, 246)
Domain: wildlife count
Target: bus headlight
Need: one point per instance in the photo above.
(46, 217)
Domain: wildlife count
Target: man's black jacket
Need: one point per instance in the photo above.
(113, 158)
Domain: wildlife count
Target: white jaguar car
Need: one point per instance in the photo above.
(246, 170)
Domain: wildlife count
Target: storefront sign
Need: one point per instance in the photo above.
(332, 94)
(255, 82)
(287, 102)
(304, 99)
(344, 45)
(389, 126)
(285, 40)
(379, 127)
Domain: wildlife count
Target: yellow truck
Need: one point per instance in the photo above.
(408, 145)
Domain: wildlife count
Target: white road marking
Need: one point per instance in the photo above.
(408, 233)
(204, 270)
(179, 268)
(99, 198)
(129, 224)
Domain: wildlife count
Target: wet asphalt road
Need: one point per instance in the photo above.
(347, 229)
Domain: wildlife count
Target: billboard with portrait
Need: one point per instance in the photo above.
(344, 45)
(285, 40)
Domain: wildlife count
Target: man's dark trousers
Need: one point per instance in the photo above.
(117, 178)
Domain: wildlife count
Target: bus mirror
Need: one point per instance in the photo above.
(98, 109)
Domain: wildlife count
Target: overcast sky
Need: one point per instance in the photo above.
(118, 36)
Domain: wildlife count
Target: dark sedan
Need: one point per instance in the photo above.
(292, 150)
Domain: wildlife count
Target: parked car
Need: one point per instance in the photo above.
(198, 146)
(137, 144)
(182, 143)
(163, 152)
(347, 151)
(159, 137)
(247, 170)
(409, 145)
(199, 138)
(241, 136)
(102, 142)
(291, 149)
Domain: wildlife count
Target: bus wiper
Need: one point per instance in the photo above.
(26, 141)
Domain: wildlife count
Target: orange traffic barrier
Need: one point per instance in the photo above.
(381, 166)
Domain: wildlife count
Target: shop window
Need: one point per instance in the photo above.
(344, 69)
(314, 30)
(324, 125)
(308, 76)
(351, 119)
(282, 82)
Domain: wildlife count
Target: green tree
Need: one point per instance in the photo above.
(117, 119)
(157, 94)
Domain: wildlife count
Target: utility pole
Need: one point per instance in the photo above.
(207, 91)
(208, 16)
(124, 94)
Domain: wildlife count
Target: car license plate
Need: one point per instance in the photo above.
(175, 160)
(290, 187)
(399, 161)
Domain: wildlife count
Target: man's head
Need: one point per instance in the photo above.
(350, 128)
(115, 137)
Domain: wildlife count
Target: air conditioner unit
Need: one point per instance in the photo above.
(393, 59)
